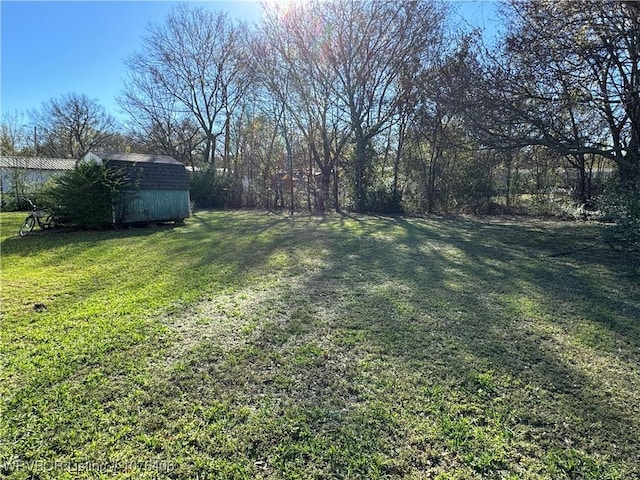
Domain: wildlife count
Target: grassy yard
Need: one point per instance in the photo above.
(252, 345)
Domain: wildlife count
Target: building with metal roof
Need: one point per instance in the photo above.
(38, 163)
(21, 176)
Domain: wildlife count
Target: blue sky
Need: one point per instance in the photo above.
(51, 48)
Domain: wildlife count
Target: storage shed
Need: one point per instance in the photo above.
(157, 186)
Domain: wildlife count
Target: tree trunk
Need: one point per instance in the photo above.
(309, 180)
(398, 156)
(336, 187)
(508, 164)
(210, 152)
(227, 140)
(360, 162)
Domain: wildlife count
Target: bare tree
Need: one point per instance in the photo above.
(189, 68)
(568, 79)
(372, 46)
(17, 138)
(71, 125)
(342, 62)
(294, 69)
(157, 121)
(435, 114)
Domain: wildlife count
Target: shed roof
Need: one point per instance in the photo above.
(38, 163)
(136, 158)
(144, 171)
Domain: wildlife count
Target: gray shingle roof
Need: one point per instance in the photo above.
(137, 158)
(148, 172)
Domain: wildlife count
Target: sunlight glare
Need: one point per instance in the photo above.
(283, 6)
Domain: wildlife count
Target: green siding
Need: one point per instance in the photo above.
(154, 206)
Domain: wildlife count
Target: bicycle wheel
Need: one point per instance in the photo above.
(27, 225)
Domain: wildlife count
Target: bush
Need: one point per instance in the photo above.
(621, 207)
(383, 199)
(210, 190)
(85, 197)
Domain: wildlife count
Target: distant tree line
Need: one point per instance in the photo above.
(378, 105)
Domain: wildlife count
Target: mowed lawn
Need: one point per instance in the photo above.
(255, 345)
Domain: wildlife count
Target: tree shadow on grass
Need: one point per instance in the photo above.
(352, 353)
(74, 241)
(222, 246)
(389, 346)
(462, 299)
(520, 257)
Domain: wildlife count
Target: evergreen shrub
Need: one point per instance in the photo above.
(85, 197)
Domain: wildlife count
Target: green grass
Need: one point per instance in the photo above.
(251, 345)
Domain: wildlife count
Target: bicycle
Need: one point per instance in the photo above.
(44, 217)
